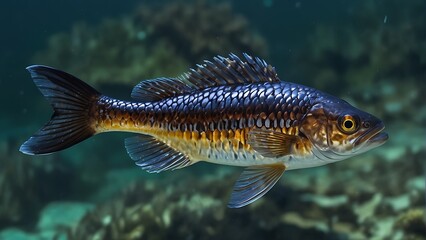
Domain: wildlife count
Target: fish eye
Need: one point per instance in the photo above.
(348, 124)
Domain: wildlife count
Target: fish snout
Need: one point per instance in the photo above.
(372, 138)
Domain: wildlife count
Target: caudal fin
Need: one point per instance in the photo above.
(71, 100)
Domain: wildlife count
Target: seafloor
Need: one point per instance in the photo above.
(374, 58)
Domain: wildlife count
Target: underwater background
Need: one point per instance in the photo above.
(370, 53)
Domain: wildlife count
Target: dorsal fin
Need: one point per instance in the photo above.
(159, 88)
(221, 71)
(230, 71)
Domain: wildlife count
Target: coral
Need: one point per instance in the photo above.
(154, 210)
(344, 201)
(413, 223)
(150, 43)
(201, 33)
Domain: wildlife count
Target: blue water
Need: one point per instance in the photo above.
(370, 53)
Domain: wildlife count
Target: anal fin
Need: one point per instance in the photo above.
(253, 183)
(153, 155)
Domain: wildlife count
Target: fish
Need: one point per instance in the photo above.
(228, 110)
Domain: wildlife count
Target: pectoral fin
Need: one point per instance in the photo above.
(253, 183)
(270, 143)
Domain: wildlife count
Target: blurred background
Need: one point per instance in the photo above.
(370, 53)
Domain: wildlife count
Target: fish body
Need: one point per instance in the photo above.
(228, 111)
(213, 124)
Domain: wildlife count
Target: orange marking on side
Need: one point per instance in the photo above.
(187, 135)
(243, 136)
(216, 136)
(224, 135)
(195, 135)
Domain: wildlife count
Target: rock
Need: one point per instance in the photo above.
(62, 214)
(393, 153)
(295, 219)
(383, 228)
(366, 210)
(325, 201)
(417, 183)
(400, 202)
(17, 234)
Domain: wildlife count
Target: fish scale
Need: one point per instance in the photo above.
(181, 113)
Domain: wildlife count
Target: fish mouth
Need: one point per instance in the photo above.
(373, 138)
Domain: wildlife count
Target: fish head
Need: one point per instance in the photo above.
(337, 130)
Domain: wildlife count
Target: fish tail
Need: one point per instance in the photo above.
(71, 100)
